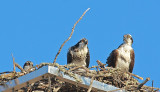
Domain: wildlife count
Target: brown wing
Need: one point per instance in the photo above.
(87, 59)
(69, 57)
(132, 55)
(112, 59)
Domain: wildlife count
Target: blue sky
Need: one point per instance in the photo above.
(34, 30)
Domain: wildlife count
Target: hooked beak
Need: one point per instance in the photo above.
(125, 36)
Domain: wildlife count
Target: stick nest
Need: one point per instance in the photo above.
(108, 75)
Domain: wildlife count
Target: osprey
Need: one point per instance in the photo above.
(123, 56)
(79, 53)
(28, 66)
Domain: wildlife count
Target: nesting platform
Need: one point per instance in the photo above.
(50, 73)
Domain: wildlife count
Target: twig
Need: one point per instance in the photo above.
(103, 69)
(13, 62)
(18, 66)
(49, 82)
(157, 90)
(152, 85)
(85, 68)
(90, 86)
(135, 75)
(74, 68)
(100, 64)
(140, 85)
(97, 69)
(70, 35)
(9, 75)
(93, 67)
(6, 72)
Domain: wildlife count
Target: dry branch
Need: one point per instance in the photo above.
(152, 84)
(49, 82)
(70, 35)
(144, 82)
(17, 65)
(135, 75)
(13, 63)
(77, 67)
(9, 76)
(6, 72)
(72, 69)
(100, 64)
(90, 86)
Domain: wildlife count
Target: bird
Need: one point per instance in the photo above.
(79, 54)
(123, 57)
(28, 66)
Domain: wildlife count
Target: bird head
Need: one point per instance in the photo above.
(128, 39)
(83, 43)
(29, 63)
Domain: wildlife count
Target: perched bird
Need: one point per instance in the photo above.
(28, 66)
(79, 54)
(123, 56)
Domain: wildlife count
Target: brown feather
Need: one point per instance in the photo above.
(87, 59)
(69, 57)
(132, 61)
(112, 59)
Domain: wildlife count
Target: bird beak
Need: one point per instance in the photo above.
(125, 36)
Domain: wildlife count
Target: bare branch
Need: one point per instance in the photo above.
(144, 82)
(13, 63)
(135, 75)
(152, 85)
(17, 65)
(70, 35)
(6, 72)
(74, 68)
(100, 64)
(90, 86)
(49, 82)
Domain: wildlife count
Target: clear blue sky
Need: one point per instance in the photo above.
(34, 30)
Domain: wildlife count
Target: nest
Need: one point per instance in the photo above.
(101, 73)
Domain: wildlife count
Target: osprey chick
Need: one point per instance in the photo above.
(123, 56)
(28, 66)
(79, 53)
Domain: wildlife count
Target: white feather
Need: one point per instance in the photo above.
(124, 52)
(81, 54)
